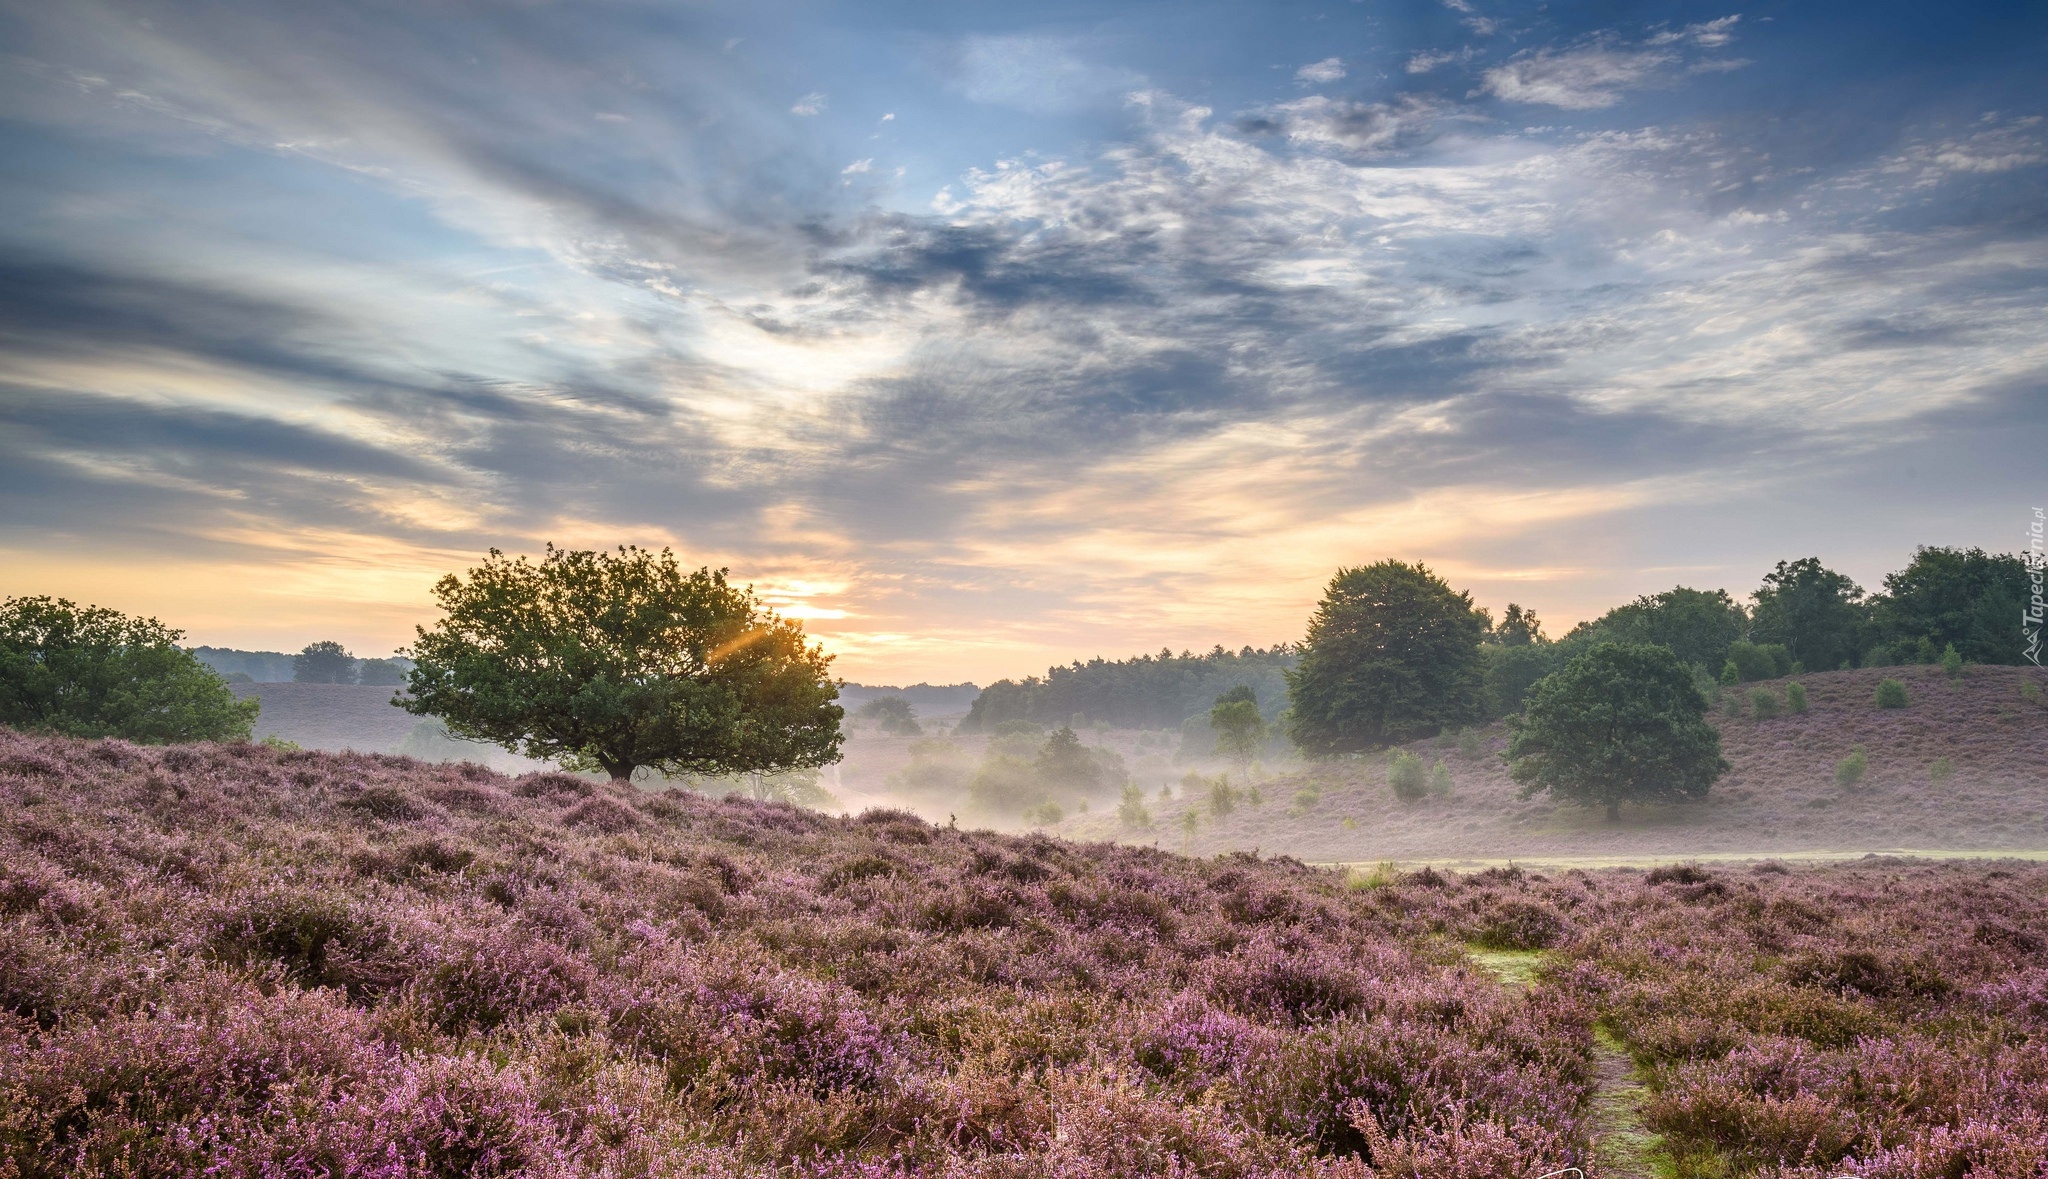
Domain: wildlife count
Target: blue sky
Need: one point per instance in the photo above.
(983, 336)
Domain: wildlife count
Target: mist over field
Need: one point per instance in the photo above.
(1342, 589)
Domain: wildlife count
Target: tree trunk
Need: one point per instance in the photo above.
(621, 771)
(1613, 811)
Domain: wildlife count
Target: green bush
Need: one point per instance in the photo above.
(2030, 691)
(1440, 779)
(1131, 812)
(1941, 771)
(1795, 696)
(1731, 674)
(1307, 798)
(1764, 703)
(1045, 814)
(1471, 746)
(1222, 796)
(1850, 770)
(1407, 777)
(1731, 705)
(1891, 694)
(1759, 661)
(1951, 662)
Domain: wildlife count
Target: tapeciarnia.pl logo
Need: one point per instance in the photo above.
(2037, 573)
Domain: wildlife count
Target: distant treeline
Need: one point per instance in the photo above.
(261, 667)
(1804, 617)
(926, 699)
(1147, 692)
(319, 663)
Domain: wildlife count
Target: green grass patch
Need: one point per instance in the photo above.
(1516, 968)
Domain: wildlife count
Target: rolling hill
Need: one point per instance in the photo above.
(1781, 797)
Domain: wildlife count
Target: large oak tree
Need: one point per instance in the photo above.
(1392, 654)
(1621, 722)
(621, 660)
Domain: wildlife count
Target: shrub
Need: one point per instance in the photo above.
(1384, 873)
(1763, 703)
(1759, 661)
(1731, 705)
(1891, 694)
(1795, 696)
(1131, 812)
(1307, 798)
(1850, 770)
(1516, 924)
(1222, 796)
(1941, 771)
(1471, 746)
(1730, 674)
(1045, 814)
(1951, 662)
(1405, 774)
(1440, 779)
(2030, 691)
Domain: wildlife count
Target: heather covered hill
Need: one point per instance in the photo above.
(234, 960)
(1963, 767)
(228, 959)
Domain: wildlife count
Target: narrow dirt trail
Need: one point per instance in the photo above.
(1623, 1147)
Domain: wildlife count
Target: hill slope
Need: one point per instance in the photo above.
(330, 716)
(1780, 797)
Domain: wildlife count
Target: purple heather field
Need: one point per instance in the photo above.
(238, 961)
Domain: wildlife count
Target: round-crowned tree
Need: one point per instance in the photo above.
(1392, 654)
(86, 671)
(619, 660)
(1238, 726)
(1621, 722)
(324, 662)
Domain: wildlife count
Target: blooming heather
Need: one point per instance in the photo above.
(234, 960)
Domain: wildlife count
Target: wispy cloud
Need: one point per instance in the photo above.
(1471, 18)
(1422, 63)
(810, 104)
(1586, 78)
(1595, 74)
(1321, 73)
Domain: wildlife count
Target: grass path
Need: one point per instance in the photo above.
(1623, 1147)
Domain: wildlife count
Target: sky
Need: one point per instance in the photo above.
(981, 336)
